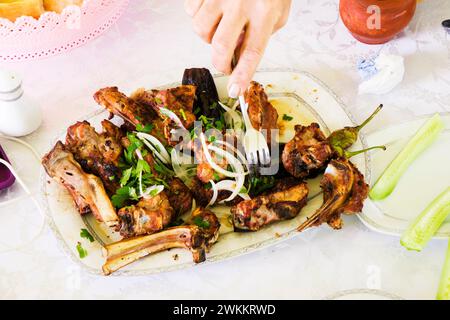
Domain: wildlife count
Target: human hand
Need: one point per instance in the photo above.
(244, 24)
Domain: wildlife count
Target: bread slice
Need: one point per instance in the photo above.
(13, 9)
(59, 5)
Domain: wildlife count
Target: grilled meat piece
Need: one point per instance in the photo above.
(148, 216)
(86, 189)
(284, 202)
(124, 252)
(208, 222)
(201, 194)
(120, 105)
(97, 153)
(179, 100)
(133, 112)
(308, 153)
(197, 236)
(207, 98)
(180, 197)
(263, 115)
(344, 192)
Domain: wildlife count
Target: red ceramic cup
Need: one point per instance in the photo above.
(376, 21)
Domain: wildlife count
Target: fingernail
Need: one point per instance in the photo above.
(234, 91)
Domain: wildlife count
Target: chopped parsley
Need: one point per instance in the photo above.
(207, 186)
(198, 221)
(212, 139)
(84, 233)
(287, 118)
(243, 190)
(135, 170)
(82, 252)
(145, 129)
(260, 184)
(183, 114)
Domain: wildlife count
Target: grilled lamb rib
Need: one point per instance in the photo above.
(308, 153)
(148, 216)
(195, 237)
(86, 189)
(344, 192)
(97, 153)
(284, 202)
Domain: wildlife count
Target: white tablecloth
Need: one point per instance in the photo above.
(151, 45)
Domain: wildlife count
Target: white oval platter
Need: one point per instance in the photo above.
(307, 99)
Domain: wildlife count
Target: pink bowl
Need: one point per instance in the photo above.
(29, 38)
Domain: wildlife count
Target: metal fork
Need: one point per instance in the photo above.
(255, 144)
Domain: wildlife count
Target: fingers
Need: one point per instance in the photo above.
(225, 41)
(256, 39)
(207, 19)
(192, 6)
(284, 16)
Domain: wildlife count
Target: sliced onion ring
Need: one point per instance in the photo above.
(172, 116)
(215, 193)
(235, 150)
(158, 188)
(154, 144)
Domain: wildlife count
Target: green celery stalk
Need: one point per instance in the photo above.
(424, 137)
(444, 286)
(427, 223)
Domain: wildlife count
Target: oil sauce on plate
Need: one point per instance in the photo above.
(290, 113)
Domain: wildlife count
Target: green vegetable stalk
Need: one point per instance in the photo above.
(421, 141)
(427, 223)
(444, 286)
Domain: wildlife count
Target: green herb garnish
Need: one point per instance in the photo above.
(198, 221)
(145, 129)
(82, 252)
(259, 184)
(243, 190)
(84, 233)
(287, 118)
(183, 114)
(207, 186)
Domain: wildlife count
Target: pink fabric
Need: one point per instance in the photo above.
(53, 33)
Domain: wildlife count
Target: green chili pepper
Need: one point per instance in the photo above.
(343, 139)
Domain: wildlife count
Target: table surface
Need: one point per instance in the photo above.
(151, 45)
